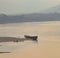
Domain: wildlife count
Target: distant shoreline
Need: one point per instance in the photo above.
(27, 22)
(4, 52)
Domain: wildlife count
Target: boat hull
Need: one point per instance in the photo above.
(31, 37)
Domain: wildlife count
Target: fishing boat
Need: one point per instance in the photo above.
(30, 37)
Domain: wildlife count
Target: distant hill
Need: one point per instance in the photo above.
(3, 15)
(55, 9)
(52, 14)
(30, 18)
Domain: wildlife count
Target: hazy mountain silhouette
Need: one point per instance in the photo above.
(29, 18)
(52, 14)
(55, 9)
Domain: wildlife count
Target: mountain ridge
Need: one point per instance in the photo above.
(55, 9)
(53, 15)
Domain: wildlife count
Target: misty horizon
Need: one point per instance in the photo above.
(12, 7)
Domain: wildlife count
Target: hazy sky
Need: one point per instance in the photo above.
(26, 6)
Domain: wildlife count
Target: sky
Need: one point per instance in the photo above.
(26, 6)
